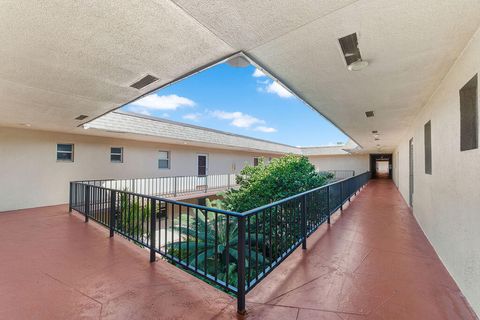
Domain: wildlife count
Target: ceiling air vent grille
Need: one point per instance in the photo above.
(369, 114)
(145, 81)
(349, 45)
(81, 117)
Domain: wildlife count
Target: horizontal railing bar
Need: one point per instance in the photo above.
(146, 178)
(191, 205)
(276, 203)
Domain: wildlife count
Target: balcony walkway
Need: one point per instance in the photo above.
(373, 262)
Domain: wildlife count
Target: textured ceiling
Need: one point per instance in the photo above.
(60, 59)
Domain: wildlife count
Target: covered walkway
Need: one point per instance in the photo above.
(373, 262)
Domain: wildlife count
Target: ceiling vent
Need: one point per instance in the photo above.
(369, 114)
(374, 131)
(145, 81)
(81, 117)
(351, 52)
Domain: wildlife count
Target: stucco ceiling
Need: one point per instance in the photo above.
(60, 59)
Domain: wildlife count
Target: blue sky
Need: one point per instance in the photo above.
(242, 101)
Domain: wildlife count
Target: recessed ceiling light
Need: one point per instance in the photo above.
(81, 117)
(369, 114)
(86, 126)
(25, 124)
(357, 65)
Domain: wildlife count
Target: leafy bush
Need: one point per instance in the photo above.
(133, 217)
(266, 183)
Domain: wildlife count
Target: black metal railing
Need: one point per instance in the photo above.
(231, 250)
(168, 186)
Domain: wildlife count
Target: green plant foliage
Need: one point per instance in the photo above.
(133, 217)
(263, 184)
(220, 259)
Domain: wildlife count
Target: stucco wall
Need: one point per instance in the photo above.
(447, 203)
(30, 176)
(359, 163)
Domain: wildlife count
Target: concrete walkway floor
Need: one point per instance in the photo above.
(373, 262)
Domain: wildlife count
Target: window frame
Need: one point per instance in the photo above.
(257, 159)
(72, 153)
(168, 159)
(116, 154)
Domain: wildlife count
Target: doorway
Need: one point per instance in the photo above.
(381, 166)
(202, 165)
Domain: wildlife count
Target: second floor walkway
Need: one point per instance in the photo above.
(372, 262)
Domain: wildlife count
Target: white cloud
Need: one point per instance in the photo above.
(165, 102)
(192, 116)
(239, 119)
(258, 73)
(265, 129)
(278, 89)
(139, 110)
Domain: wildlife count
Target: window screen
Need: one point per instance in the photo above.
(428, 147)
(164, 160)
(469, 115)
(65, 152)
(116, 154)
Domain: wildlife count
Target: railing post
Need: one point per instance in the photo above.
(206, 183)
(303, 215)
(153, 232)
(175, 186)
(228, 184)
(113, 203)
(328, 204)
(341, 196)
(70, 197)
(87, 202)
(241, 266)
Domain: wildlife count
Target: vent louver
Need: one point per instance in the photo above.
(145, 81)
(369, 114)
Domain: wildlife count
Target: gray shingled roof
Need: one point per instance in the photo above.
(127, 122)
(120, 121)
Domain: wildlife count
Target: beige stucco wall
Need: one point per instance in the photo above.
(30, 176)
(359, 163)
(447, 203)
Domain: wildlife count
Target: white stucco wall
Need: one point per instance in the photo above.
(359, 163)
(30, 176)
(447, 203)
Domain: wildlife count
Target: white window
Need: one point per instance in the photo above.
(256, 161)
(65, 152)
(116, 154)
(164, 159)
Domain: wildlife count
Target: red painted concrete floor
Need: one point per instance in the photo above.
(373, 262)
